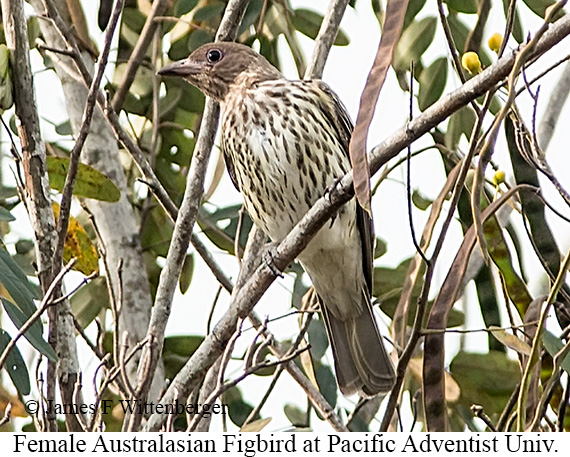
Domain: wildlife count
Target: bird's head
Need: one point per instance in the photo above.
(215, 67)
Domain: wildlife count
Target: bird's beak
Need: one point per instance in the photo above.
(180, 68)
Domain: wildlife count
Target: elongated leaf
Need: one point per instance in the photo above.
(187, 273)
(414, 42)
(177, 350)
(553, 345)
(414, 7)
(89, 300)
(308, 22)
(501, 256)
(255, 426)
(462, 6)
(295, 414)
(517, 25)
(327, 384)
(395, 12)
(510, 340)
(90, 182)
(539, 7)
(210, 11)
(5, 215)
(239, 409)
(15, 365)
(432, 83)
(34, 334)
(485, 379)
(16, 284)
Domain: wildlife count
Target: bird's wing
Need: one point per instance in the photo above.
(339, 117)
(229, 164)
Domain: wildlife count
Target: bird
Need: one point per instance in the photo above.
(285, 143)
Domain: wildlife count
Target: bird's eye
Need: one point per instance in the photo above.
(214, 55)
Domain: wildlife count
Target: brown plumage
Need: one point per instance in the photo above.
(285, 142)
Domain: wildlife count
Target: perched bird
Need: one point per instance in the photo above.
(285, 142)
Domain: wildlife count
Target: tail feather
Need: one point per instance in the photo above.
(362, 363)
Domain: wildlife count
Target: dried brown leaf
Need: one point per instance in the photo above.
(394, 19)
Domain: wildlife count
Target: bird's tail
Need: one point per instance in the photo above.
(361, 361)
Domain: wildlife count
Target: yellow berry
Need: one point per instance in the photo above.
(495, 42)
(470, 61)
(499, 177)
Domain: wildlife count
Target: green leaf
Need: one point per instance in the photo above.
(142, 84)
(34, 334)
(420, 201)
(295, 414)
(187, 273)
(299, 286)
(414, 7)
(517, 31)
(184, 6)
(64, 129)
(380, 248)
(5, 215)
(21, 291)
(177, 350)
(539, 7)
(414, 42)
(485, 379)
(238, 409)
(90, 182)
(460, 123)
(309, 22)
(209, 11)
(34, 31)
(89, 300)
(554, 345)
(133, 18)
(317, 339)
(388, 286)
(459, 32)
(327, 383)
(7, 192)
(500, 254)
(15, 365)
(197, 38)
(251, 16)
(156, 232)
(221, 226)
(432, 83)
(462, 6)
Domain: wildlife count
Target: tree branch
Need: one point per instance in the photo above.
(38, 204)
(325, 38)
